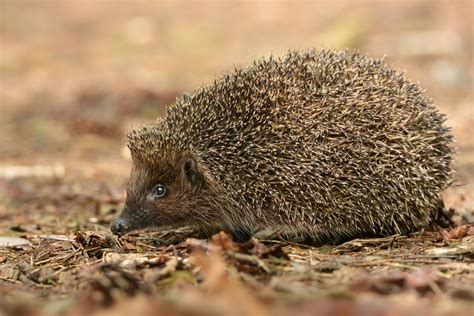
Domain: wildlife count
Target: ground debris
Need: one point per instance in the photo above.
(93, 271)
(14, 242)
(423, 281)
(457, 232)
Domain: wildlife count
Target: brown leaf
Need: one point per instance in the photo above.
(224, 241)
(457, 232)
(255, 247)
(219, 287)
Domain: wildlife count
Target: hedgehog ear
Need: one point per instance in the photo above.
(192, 174)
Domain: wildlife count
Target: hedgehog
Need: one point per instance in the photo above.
(314, 146)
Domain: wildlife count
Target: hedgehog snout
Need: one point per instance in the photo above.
(120, 226)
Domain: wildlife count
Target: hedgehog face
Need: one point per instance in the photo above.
(162, 194)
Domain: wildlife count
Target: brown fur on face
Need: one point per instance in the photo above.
(184, 202)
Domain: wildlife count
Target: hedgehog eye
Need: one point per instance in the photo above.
(158, 191)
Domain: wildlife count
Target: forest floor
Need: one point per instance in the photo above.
(73, 78)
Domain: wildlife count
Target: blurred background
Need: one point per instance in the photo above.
(75, 75)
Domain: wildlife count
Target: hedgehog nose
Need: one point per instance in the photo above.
(119, 227)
